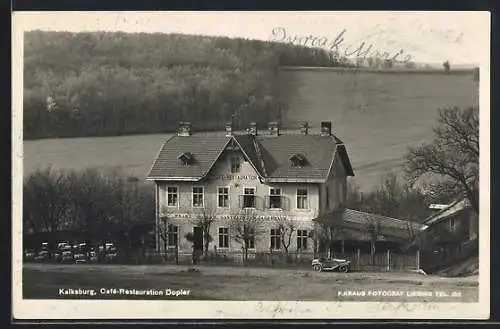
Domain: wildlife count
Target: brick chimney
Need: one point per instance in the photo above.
(184, 129)
(252, 130)
(229, 128)
(304, 128)
(274, 129)
(326, 128)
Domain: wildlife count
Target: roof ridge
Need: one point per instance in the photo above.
(248, 157)
(442, 211)
(396, 219)
(223, 148)
(259, 156)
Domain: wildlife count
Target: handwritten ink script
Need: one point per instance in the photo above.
(338, 47)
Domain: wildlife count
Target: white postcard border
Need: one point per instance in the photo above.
(105, 309)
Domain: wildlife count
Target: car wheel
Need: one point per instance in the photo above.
(317, 268)
(344, 269)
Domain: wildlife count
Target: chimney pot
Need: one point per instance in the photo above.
(273, 128)
(304, 128)
(326, 128)
(252, 130)
(229, 129)
(185, 129)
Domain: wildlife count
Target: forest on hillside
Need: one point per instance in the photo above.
(113, 83)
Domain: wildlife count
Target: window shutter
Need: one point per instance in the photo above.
(267, 200)
(285, 203)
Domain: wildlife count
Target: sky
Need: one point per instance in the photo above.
(431, 37)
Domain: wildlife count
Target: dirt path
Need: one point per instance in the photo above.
(234, 283)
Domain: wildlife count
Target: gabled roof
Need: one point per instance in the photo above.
(319, 151)
(269, 155)
(360, 220)
(448, 211)
(205, 148)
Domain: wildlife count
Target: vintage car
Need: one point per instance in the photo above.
(331, 264)
(29, 254)
(44, 253)
(81, 253)
(63, 253)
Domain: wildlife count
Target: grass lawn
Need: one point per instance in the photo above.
(43, 281)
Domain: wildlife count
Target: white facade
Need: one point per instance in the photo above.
(222, 194)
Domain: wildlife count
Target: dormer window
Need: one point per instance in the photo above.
(186, 158)
(298, 160)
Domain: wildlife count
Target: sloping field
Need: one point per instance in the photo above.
(378, 115)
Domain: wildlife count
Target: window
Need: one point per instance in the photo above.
(275, 198)
(223, 197)
(223, 237)
(298, 160)
(235, 164)
(172, 235)
(301, 239)
(172, 196)
(251, 239)
(275, 239)
(186, 158)
(249, 197)
(302, 198)
(197, 196)
(453, 224)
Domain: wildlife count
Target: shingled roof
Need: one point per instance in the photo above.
(448, 211)
(354, 219)
(269, 155)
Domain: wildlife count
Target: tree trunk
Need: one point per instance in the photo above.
(372, 252)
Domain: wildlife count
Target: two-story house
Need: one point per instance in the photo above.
(277, 176)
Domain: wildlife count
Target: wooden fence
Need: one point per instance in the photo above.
(381, 261)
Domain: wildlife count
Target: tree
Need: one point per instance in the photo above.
(162, 231)
(245, 227)
(451, 160)
(125, 83)
(204, 218)
(45, 201)
(91, 204)
(286, 228)
(393, 197)
(446, 66)
(374, 230)
(324, 236)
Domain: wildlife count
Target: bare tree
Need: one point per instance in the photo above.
(452, 158)
(204, 218)
(446, 66)
(286, 228)
(246, 226)
(324, 235)
(45, 201)
(374, 230)
(163, 229)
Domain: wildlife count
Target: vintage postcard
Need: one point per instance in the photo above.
(232, 165)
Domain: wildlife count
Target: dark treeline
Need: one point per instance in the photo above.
(86, 206)
(103, 83)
